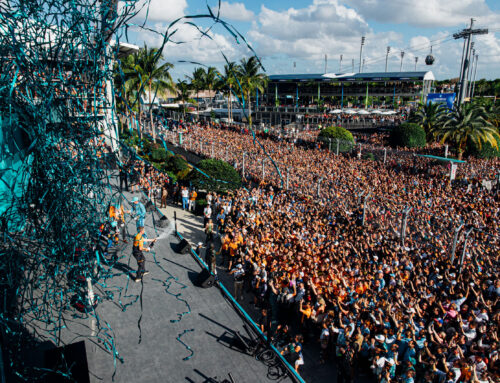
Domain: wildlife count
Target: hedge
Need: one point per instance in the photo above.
(222, 176)
(334, 133)
(408, 135)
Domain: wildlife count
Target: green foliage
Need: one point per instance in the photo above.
(486, 150)
(334, 133)
(172, 176)
(222, 176)
(369, 156)
(465, 125)
(430, 117)
(159, 154)
(408, 135)
(177, 164)
(200, 206)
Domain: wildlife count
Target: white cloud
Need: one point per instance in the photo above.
(158, 10)
(428, 13)
(194, 47)
(235, 11)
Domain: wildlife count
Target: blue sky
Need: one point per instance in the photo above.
(304, 31)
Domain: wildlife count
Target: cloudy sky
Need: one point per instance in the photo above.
(284, 32)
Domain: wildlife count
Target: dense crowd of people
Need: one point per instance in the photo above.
(382, 288)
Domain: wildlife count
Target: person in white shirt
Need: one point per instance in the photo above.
(207, 214)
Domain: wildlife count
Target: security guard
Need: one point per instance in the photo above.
(137, 252)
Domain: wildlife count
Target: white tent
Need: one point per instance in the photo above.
(389, 112)
(350, 111)
(376, 111)
(335, 111)
(363, 112)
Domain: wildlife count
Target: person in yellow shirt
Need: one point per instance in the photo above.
(137, 252)
(192, 200)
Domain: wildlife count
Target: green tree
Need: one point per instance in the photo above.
(227, 82)
(219, 176)
(429, 116)
(468, 123)
(408, 135)
(197, 82)
(250, 80)
(210, 79)
(184, 95)
(145, 70)
(332, 133)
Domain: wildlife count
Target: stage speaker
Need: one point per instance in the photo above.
(149, 206)
(70, 359)
(205, 279)
(162, 222)
(183, 247)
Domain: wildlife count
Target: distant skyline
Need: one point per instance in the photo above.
(284, 32)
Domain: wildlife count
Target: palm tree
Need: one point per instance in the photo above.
(430, 117)
(197, 82)
(210, 80)
(467, 122)
(154, 74)
(184, 95)
(228, 81)
(251, 79)
(123, 86)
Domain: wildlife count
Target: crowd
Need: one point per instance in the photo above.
(379, 288)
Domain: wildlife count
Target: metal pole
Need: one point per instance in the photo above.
(387, 57)
(471, 64)
(361, 52)
(403, 224)
(212, 150)
(463, 74)
(243, 166)
(352, 65)
(416, 61)
(330, 144)
(319, 187)
(454, 245)
(385, 155)
(338, 146)
(263, 169)
(201, 147)
(467, 233)
(365, 201)
(287, 177)
(340, 71)
(401, 66)
(446, 151)
(474, 83)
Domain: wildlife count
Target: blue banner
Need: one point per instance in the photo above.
(442, 98)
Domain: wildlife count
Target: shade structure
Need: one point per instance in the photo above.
(350, 111)
(363, 112)
(335, 111)
(388, 112)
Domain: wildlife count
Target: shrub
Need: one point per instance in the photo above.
(369, 156)
(172, 176)
(408, 135)
(334, 133)
(177, 164)
(200, 206)
(486, 151)
(159, 155)
(221, 176)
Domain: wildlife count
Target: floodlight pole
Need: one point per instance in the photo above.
(387, 57)
(352, 66)
(401, 66)
(475, 71)
(361, 52)
(416, 61)
(340, 71)
(466, 34)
